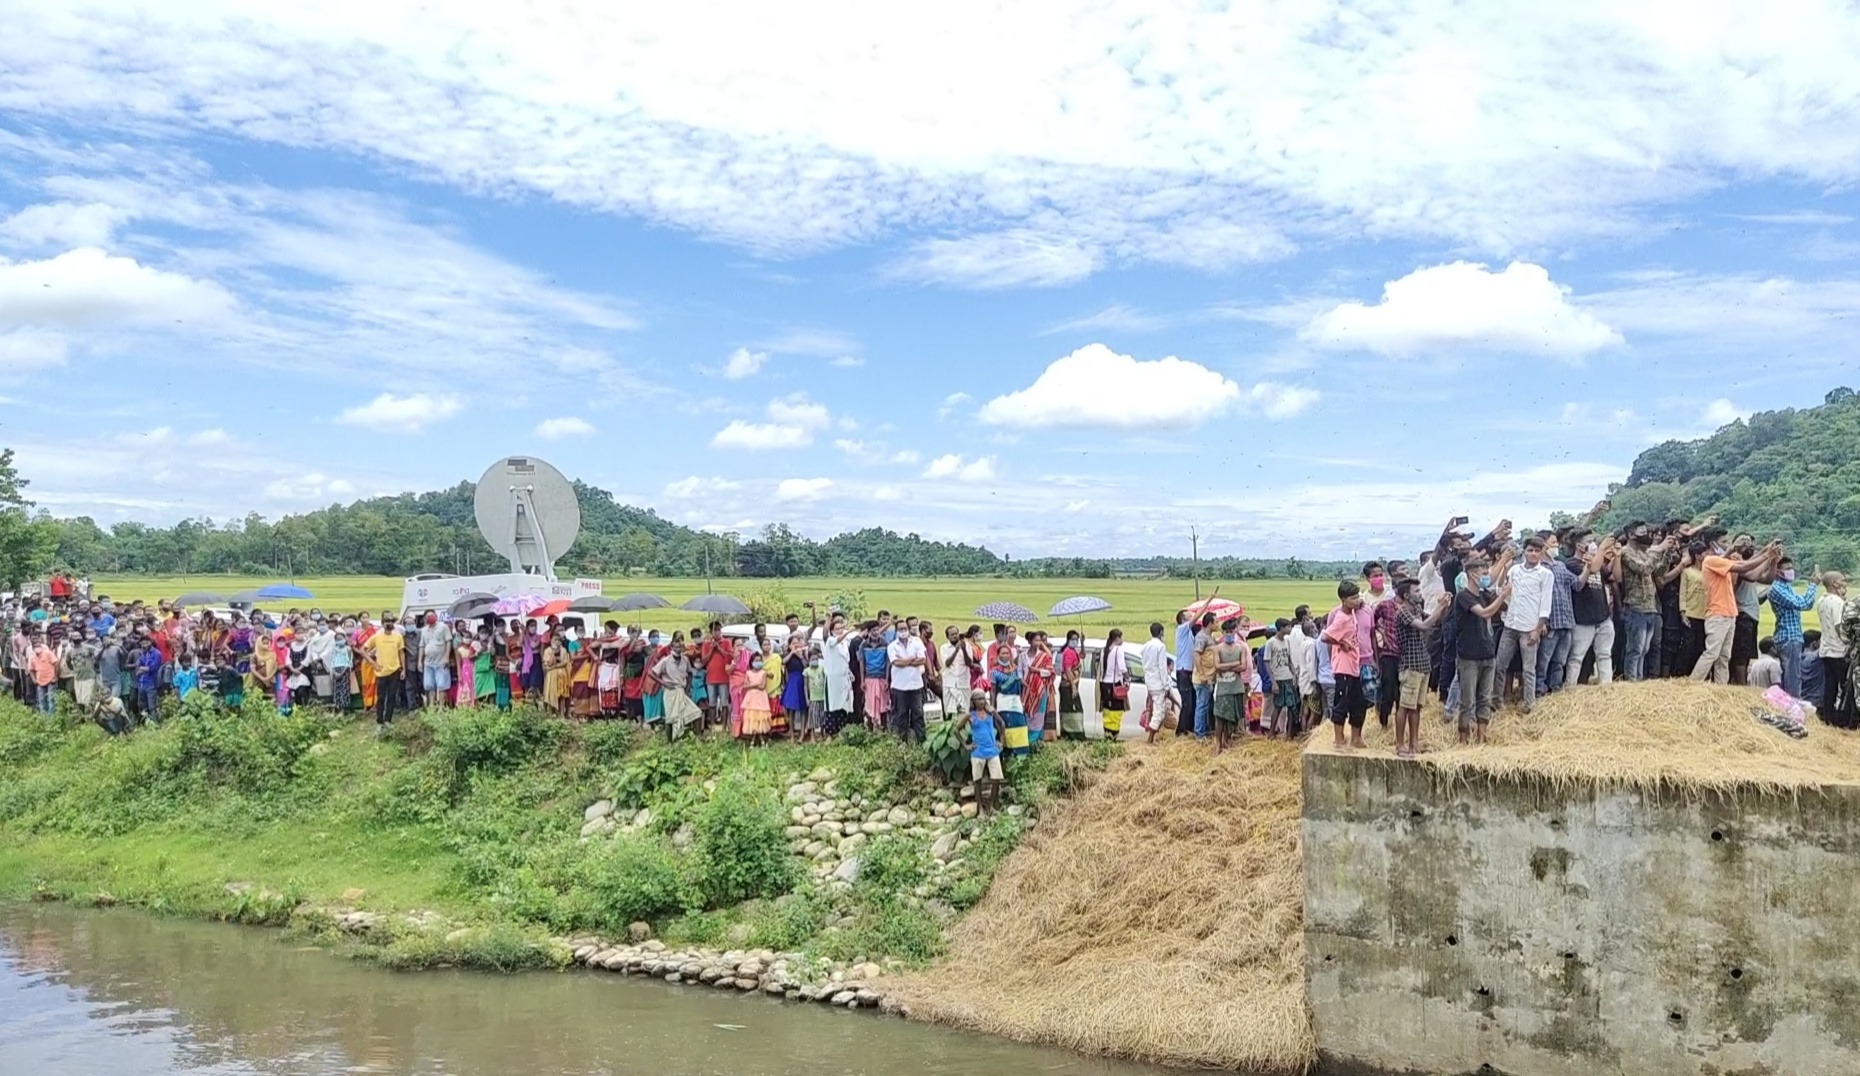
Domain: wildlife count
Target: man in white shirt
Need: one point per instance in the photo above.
(908, 659)
(1837, 652)
(1155, 657)
(1527, 616)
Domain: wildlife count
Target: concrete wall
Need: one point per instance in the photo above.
(1459, 926)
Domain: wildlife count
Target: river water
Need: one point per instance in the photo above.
(125, 994)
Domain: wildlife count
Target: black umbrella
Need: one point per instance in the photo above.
(721, 604)
(200, 597)
(464, 604)
(633, 602)
(244, 597)
(592, 603)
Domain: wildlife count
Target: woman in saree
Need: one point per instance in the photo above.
(1071, 706)
(1037, 685)
(776, 671)
(365, 672)
(555, 677)
(609, 681)
(582, 700)
(483, 670)
(513, 662)
(794, 687)
(465, 692)
(340, 661)
(651, 688)
(1113, 685)
(1004, 680)
(264, 666)
(739, 674)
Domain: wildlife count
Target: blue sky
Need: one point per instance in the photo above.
(1308, 278)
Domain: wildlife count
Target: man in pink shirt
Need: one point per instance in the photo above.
(1345, 634)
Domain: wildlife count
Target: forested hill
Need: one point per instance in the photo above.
(1788, 474)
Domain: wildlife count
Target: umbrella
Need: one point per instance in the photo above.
(517, 605)
(200, 597)
(630, 602)
(1260, 631)
(1084, 603)
(244, 597)
(1220, 607)
(465, 604)
(592, 603)
(721, 604)
(284, 590)
(1008, 611)
(554, 608)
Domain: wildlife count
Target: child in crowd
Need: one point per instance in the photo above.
(1766, 671)
(186, 678)
(814, 679)
(208, 683)
(1276, 657)
(986, 732)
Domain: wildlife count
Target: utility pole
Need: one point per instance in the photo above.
(707, 564)
(1194, 544)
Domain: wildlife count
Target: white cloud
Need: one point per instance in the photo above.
(795, 409)
(848, 361)
(693, 488)
(761, 436)
(887, 493)
(1121, 132)
(802, 489)
(857, 450)
(815, 343)
(953, 466)
(744, 363)
(402, 414)
(314, 486)
(26, 350)
(1278, 401)
(91, 224)
(907, 456)
(1078, 505)
(1117, 317)
(1462, 306)
(952, 403)
(1014, 259)
(1095, 387)
(555, 429)
(1808, 217)
(1722, 412)
(89, 289)
(794, 419)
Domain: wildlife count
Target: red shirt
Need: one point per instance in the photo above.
(717, 654)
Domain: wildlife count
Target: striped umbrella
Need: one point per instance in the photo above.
(1084, 603)
(518, 605)
(1008, 611)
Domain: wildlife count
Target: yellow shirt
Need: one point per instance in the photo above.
(1692, 593)
(385, 648)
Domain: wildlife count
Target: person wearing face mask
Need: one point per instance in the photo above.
(1475, 607)
(672, 671)
(412, 677)
(1720, 573)
(1591, 602)
(1233, 674)
(1639, 565)
(1789, 607)
(1527, 617)
(755, 703)
(1750, 590)
(1835, 705)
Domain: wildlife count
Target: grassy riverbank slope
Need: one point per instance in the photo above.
(492, 820)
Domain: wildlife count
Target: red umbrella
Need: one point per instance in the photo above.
(554, 608)
(1222, 608)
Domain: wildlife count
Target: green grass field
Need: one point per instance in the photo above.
(1135, 602)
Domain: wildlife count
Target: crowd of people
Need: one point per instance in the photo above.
(1471, 622)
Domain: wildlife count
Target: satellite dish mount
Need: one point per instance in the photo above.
(527, 511)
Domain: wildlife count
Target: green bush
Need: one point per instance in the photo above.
(486, 739)
(895, 929)
(947, 743)
(607, 742)
(741, 850)
(788, 923)
(620, 881)
(891, 867)
(990, 842)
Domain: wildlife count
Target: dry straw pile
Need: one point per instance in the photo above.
(1157, 916)
(1671, 735)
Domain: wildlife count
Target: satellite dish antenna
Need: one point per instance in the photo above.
(527, 511)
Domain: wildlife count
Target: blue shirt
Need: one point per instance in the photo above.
(1562, 594)
(1185, 646)
(102, 624)
(1789, 605)
(875, 659)
(1323, 656)
(185, 681)
(148, 666)
(982, 735)
(1811, 676)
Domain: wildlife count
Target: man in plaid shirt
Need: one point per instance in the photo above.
(1412, 623)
